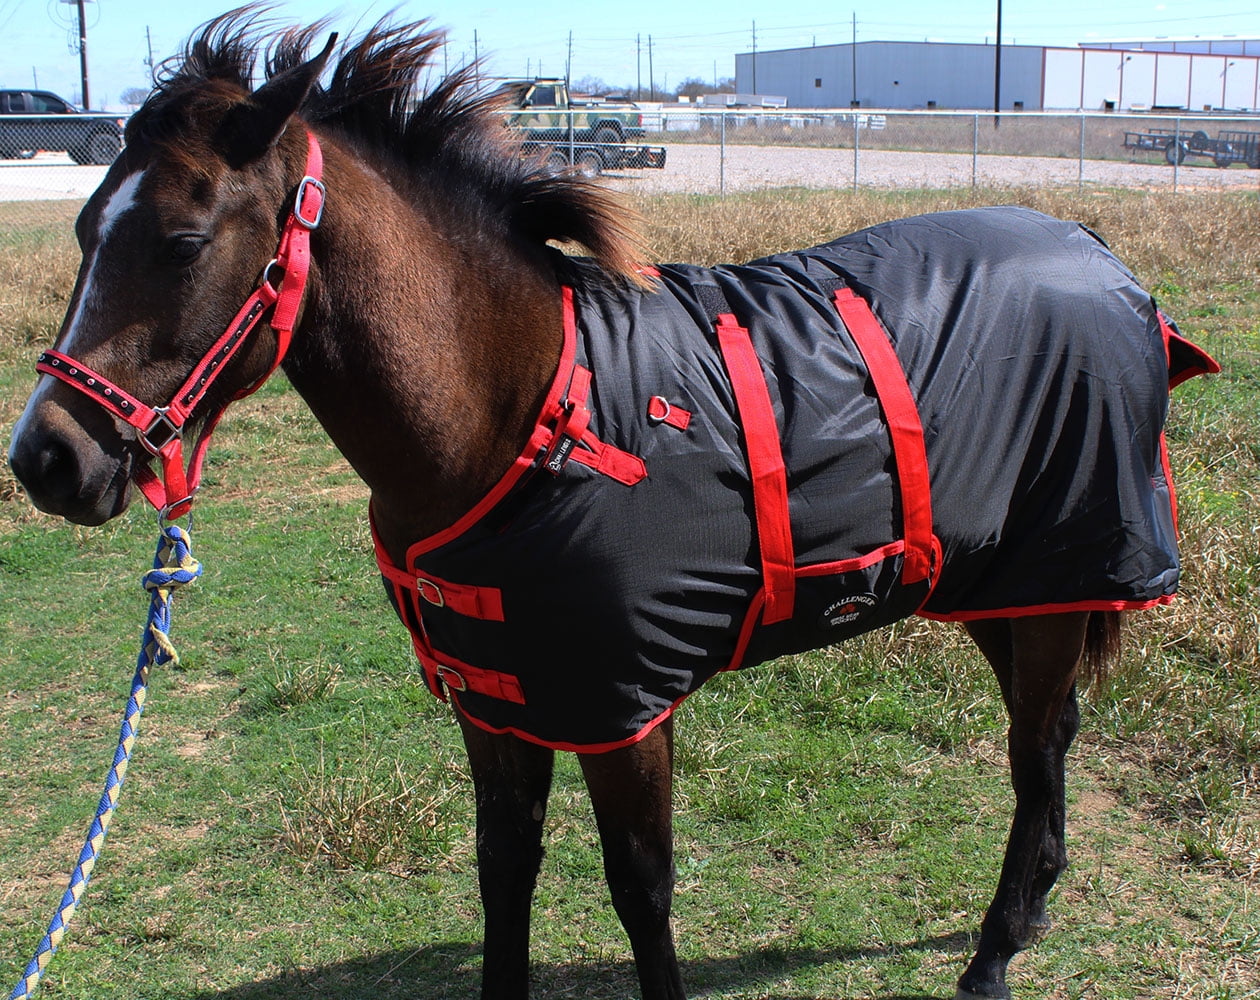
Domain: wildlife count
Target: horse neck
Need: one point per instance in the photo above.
(425, 352)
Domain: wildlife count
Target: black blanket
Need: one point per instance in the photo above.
(627, 557)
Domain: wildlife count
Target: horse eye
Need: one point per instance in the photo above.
(185, 247)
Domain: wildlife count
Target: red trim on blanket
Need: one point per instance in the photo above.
(902, 417)
(1203, 364)
(1168, 479)
(1206, 365)
(521, 734)
(747, 629)
(1046, 609)
(765, 467)
(538, 440)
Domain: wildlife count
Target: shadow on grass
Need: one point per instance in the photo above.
(452, 970)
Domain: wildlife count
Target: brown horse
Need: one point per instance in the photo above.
(422, 326)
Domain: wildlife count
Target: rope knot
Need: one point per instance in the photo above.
(173, 563)
(173, 567)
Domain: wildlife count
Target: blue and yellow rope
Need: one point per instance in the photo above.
(173, 567)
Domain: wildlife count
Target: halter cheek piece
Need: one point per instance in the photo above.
(160, 429)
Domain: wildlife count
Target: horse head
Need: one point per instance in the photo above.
(177, 236)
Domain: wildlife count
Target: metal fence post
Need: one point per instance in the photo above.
(855, 151)
(1176, 152)
(722, 159)
(975, 148)
(1080, 160)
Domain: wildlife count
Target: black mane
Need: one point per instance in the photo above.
(384, 96)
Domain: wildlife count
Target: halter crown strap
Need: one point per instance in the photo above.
(160, 428)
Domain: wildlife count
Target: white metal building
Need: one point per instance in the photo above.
(1143, 76)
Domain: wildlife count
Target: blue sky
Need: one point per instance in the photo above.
(695, 38)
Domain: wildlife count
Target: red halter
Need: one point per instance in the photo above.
(161, 428)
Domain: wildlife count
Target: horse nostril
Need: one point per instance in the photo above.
(46, 466)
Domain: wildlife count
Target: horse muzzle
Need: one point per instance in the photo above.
(65, 471)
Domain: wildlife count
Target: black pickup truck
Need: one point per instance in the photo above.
(31, 120)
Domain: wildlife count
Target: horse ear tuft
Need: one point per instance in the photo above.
(250, 129)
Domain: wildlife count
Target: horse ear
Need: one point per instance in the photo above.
(252, 128)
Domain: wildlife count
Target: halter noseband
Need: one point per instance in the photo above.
(160, 429)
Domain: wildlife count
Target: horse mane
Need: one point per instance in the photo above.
(381, 96)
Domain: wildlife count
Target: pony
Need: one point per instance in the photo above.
(397, 258)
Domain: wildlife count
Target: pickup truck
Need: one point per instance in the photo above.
(591, 136)
(32, 120)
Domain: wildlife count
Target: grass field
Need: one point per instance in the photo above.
(298, 822)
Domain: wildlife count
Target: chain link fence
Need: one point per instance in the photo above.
(716, 152)
(739, 150)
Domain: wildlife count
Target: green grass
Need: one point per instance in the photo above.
(298, 822)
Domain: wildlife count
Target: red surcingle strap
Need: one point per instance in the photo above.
(160, 428)
(902, 416)
(766, 468)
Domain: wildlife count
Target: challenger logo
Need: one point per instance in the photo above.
(848, 610)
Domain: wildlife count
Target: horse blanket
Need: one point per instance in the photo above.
(958, 415)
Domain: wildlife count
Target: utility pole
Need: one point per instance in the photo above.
(997, 69)
(83, 63)
(148, 37)
(754, 54)
(638, 67)
(853, 98)
(568, 64)
(651, 75)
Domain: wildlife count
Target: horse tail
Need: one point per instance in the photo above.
(1103, 634)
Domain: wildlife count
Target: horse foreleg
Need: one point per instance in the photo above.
(512, 780)
(1035, 660)
(631, 790)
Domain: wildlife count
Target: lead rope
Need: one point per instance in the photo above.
(173, 567)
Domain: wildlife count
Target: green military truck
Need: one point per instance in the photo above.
(592, 136)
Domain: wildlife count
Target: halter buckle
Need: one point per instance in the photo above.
(161, 431)
(306, 186)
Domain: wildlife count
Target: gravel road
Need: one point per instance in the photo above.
(700, 169)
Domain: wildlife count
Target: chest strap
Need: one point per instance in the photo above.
(573, 439)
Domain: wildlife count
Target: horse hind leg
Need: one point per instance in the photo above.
(631, 790)
(1036, 660)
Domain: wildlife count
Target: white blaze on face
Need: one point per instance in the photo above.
(121, 201)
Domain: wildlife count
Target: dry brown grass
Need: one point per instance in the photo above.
(37, 266)
(1211, 238)
(366, 814)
